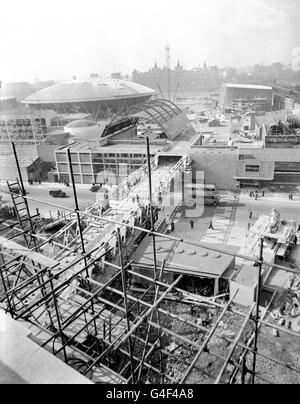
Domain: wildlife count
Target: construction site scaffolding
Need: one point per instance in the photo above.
(105, 330)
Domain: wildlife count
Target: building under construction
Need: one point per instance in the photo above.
(101, 310)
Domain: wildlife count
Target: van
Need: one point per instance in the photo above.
(209, 191)
(211, 200)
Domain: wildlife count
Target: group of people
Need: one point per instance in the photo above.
(210, 224)
(31, 181)
(255, 195)
(172, 225)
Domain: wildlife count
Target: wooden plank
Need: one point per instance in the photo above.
(26, 252)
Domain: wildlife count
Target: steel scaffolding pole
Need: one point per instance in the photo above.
(124, 287)
(142, 318)
(80, 228)
(258, 290)
(57, 316)
(235, 343)
(207, 339)
(149, 325)
(151, 207)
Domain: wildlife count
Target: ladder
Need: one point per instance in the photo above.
(22, 211)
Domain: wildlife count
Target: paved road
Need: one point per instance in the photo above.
(230, 219)
(41, 192)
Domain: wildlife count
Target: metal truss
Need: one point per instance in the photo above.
(22, 130)
(158, 111)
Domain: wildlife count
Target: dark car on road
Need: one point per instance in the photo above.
(17, 191)
(95, 188)
(57, 193)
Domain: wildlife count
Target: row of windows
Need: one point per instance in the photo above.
(119, 160)
(86, 157)
(287, 166)
(75, 157)
(252, 168)
(121, 156)
(246, 157)
(88, 168)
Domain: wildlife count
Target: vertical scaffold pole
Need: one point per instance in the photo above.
(11, 311)
(151, 208)
(258, 290)
(157, 287)
(80, 231)
(123, 276)
(57, 316)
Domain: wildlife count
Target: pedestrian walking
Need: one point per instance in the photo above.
(256, 195)
(250, 214)
(211, 225)
(263, 193)
(295, 239)
(192, 223)
(172, 226)
(249, 225)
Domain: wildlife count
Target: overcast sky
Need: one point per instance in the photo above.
(56, 39)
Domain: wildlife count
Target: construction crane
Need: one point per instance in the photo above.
(162, 96)
(168, 65)
(178, 84)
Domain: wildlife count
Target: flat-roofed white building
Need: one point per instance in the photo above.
(252, 95)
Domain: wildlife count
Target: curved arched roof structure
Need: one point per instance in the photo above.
(91, 95)
(167, 115)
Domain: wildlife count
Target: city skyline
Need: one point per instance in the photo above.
(55, 41)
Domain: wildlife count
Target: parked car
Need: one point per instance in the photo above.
(17, 191)
(57, 193)
(95, 188)
(211, 200)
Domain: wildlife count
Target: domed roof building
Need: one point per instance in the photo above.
(98, 97)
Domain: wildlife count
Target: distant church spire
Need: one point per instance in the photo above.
(178, 66)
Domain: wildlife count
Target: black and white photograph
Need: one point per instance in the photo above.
(150, 195)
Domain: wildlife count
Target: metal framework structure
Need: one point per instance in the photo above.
(79, 302)
(159, 111)
(100, 109)
(22, 130)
